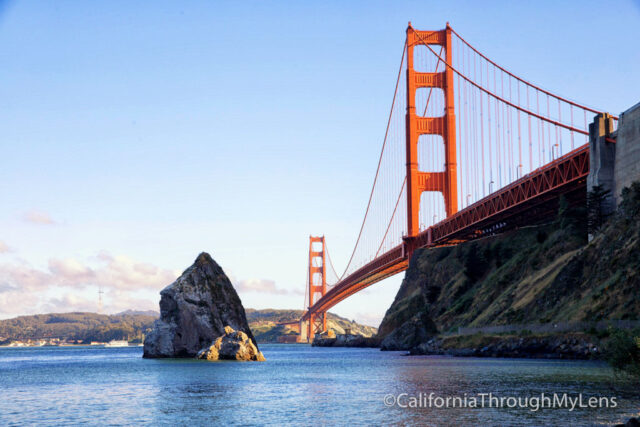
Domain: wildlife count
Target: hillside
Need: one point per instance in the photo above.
(532, 275)
(86, 327)
(130, 324)
(264, 324)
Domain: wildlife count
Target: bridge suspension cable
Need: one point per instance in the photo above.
(575, 104)
(378, 168)
(332, 277)
(393, 215)
(506, 128)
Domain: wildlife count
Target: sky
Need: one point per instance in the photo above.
(135, 135)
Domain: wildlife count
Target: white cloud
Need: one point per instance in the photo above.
(113, 302)
(370, 319)
(4, 248)
(70, 270)
(70, 284)
(262, 286)
(16, 303)
(61, 286)
(38, 217)
(21, 276)
(69, 302)
(122, 272)
(259, 285)
(117, 301)
(118, 272)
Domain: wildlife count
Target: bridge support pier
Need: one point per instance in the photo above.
(602, 159)
(627, 169)
(317, 325)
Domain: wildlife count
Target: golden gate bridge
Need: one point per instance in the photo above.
(470, 149)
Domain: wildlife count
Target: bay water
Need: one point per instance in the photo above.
(304, 385)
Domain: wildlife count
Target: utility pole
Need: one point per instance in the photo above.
(100, 299)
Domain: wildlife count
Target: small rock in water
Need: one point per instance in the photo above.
(233, 345)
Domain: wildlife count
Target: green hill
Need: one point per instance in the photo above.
(264, 324)
(86, 327)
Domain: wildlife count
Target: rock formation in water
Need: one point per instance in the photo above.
(194, 311)
(233, 345)
(344, 340)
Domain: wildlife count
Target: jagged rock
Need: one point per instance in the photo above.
(433, 346)
(542, 347)
(344, 340)
(194, 311)
(233, 345)
(420, 328)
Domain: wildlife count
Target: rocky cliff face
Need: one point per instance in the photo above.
(533, 275)
(194, 311)
(344, 340)
(417, 329)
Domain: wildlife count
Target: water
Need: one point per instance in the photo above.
(297, 385)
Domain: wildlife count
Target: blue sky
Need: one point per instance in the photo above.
(137, 134)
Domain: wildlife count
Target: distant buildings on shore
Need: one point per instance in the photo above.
(58, 342)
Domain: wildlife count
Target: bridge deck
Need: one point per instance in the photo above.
(527, 200)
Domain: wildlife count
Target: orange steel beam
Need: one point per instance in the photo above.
(445, 126)
(564, 175)
(529, 199)
(386, 265)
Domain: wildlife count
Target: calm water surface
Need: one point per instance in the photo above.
(298, 384)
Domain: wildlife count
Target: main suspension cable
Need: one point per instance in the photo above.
(504, 101)
(375, 179)
(575, 104)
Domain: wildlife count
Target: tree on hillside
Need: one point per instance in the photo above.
(596, 208)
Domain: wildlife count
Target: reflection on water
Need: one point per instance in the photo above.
(297, 384)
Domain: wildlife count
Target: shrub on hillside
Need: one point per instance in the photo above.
(623, 351)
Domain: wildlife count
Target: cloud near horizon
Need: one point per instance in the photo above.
(262, 286)
(68, 284)
(38, 217)
(25, 289)
(117, 272)
(114, 302)
(370, 319)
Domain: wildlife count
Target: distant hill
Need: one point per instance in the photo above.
(86, 327)
(264, 324)
(138, 312)
(133, 324)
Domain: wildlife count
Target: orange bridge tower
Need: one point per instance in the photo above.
(317, 286)
(420, 181)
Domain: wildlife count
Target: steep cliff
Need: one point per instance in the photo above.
(194, 311)
(536, 275)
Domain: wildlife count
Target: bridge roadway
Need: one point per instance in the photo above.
(526, 201)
